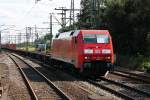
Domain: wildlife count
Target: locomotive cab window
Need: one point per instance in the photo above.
(95, 38)
(102, 38)
(89, 38)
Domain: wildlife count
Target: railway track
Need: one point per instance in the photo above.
(142, 78)
(38, 85)
(125, 85)
(117, 88)
(112, 90)
(78, 92)
(139, 93)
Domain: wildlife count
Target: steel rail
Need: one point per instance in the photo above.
(131, 77)
(134, 74)
(125, 86)
(29, 87)
(60, 92)
(111, 90)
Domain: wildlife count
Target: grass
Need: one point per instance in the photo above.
(31, 49)
(145, 63)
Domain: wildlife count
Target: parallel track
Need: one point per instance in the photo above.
(142, 78)
(125, 96)
(125, 86)
(32, 92)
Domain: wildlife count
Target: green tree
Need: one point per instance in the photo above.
(47, 40)
(129, 22)
(91, 11)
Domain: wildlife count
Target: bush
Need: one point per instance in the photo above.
(133, 62)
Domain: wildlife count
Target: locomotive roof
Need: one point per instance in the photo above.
(76, 32)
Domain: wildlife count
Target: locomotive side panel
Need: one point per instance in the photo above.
(64, 49)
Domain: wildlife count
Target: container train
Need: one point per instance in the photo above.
(90, 50)
(9, 46)
(84, 50)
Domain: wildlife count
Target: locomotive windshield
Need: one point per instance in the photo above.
(96, 38)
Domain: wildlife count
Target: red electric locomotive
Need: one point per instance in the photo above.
(84, 49)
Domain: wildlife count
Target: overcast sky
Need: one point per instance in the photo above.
(24, 13)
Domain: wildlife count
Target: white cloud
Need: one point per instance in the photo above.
(7, 14)
(24, 13)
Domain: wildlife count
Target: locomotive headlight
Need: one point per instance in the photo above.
(106, 51)
(86, 58)
(88, 51)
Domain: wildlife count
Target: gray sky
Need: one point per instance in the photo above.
(24, 13)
